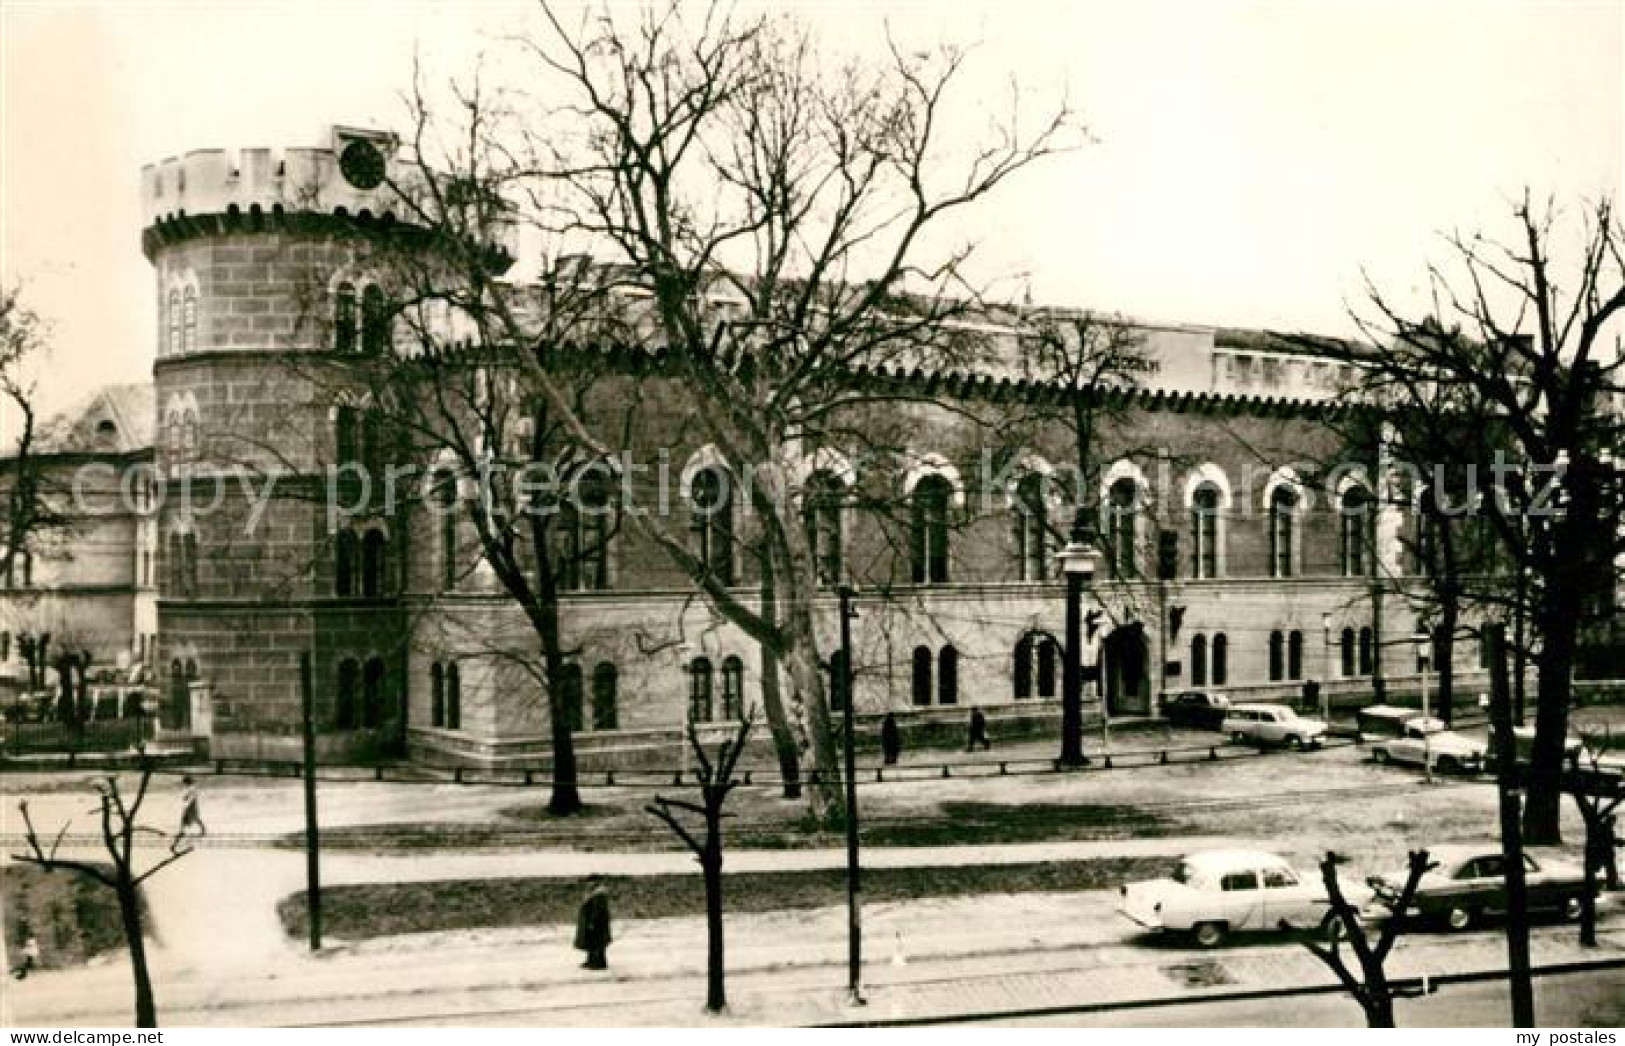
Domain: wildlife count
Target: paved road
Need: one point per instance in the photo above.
(1571, 1001)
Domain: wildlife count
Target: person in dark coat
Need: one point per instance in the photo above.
(891, 739)
(592, 926)
(978, 731)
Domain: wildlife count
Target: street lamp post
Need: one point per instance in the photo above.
(1424, 656)
(854, 915)
(1326, 668)
(1078, 560)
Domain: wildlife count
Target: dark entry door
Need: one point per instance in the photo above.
(1126, 676)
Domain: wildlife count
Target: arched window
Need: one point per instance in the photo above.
(922, 675)
(1347, 651)
(374, 321)
(446, 509)
(189, 570)
(1049, 656)
(1122, 526)
(1022, 668)
(1367, 648)
(344, 318)
(344, 701)
(1033, 544)
(346, 436)
(1353, 526)
(174, 322)
(177, 566)
(1205, 531)
(1198, 660)
(346, 553)
(733, 689)
(373, 711)
(437, 695)
(1294, 655)
(699, 690)
(1034, 665)
(1219, 670)
(189, 435)
(1277, 656)
(454, 697)
(928, 542)
(189, 321)
(710, 505)
(605, 682)
(583, 555)
(948, 676)
(180, 697)
(570, 693)
(1283, 527)
(825, 496)
(374, 564)
(5, 646)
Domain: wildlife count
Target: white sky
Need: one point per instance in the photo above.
(1251, 156)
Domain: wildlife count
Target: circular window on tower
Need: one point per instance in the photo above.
(362, 164)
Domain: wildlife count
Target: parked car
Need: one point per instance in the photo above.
(1523, 743)
(1195, 708)
(1423, 741)
(1469, 883)
(1273, 725)
(1375, 721)
(1214, 893)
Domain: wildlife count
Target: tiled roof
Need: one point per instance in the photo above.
(115, 419)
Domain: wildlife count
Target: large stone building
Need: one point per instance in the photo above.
(261, 270)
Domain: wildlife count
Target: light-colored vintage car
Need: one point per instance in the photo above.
(1217, 892)
(1264, 724)
(1421, 741)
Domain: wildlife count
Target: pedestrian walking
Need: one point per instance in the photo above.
(978, 731)
(190, 814)
(891, 739)
(29, 958)
(592, 925)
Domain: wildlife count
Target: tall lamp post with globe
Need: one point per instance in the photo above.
(1078, 561)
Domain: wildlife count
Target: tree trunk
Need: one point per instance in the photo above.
(129, 903)
(716, 995)
(1588, 894)
(801, 659)
(1449, 615)
(778, 723)
(1542, 819)
(1379, 1011)
(566, 797)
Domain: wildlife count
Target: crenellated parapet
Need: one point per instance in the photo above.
(357, 179)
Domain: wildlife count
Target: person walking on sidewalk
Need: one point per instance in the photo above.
(978, 732)
(891, 739)
(592, 925)
(29, 958)
(190, 816)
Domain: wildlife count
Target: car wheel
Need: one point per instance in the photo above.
(1294, 742)
(1572, 907)
(1208, 935)
(1460, 918)
(1335, 930)
(1238, 737)
(1446, 764)
(1380, 756)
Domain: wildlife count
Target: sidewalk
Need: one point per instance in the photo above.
(923, 958)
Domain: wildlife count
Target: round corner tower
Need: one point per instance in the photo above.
(260, 269)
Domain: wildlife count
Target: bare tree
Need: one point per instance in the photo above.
(716, 780)
(1341, 923)
(763, 220)
(119, 829)
(33, 514)
(1517, 337)
(1597, 796)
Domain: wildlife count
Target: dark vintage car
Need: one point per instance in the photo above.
(1194, 708)
(1468, 885)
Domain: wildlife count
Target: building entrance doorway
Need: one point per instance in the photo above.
(1125, 674)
